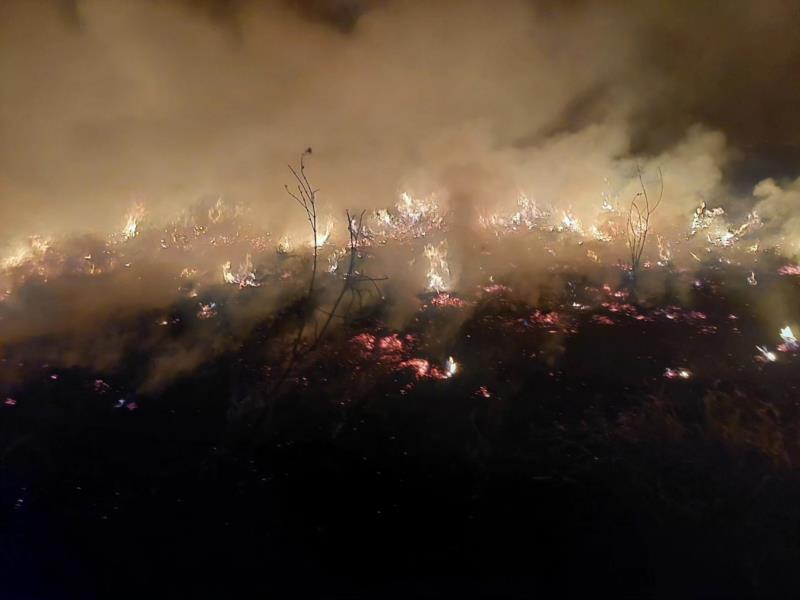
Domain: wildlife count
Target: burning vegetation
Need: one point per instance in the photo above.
(527, 309)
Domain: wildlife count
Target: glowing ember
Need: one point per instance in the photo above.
(422, 368)
(207, 311)
(789, 270)
(496, 288)
(602, 320)
(443, 299)
(677, 373)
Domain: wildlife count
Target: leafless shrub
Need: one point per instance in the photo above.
(640, 211)
(306, 197)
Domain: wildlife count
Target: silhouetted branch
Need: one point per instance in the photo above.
(638, 225)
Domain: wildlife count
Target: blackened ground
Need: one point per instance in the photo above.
(584, 473)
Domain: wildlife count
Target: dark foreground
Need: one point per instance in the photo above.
(558, 462)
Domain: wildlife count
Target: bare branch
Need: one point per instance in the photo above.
(638, 222)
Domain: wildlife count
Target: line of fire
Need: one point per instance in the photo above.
(399, 299)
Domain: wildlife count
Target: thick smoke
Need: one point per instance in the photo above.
(174, 103)
(105, 102)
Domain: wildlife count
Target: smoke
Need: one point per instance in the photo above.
(778, 204)
(104, 102)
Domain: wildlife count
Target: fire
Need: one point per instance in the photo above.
(423, 369)
(789, 340)
(322, 237)
(719, 232)
(133, 220)
(664, 251)
(439, 271)
(789, 270)
(600, 235)
(413, 209)
(450, 367)
(334, 258)
(412, 217)
(527, 215)
(570, 223)
(36, 248)
(285, 245)
(766, 354)
(217, 212)
(244, 277)
(443, 299)
(207, 311)
(677, 373)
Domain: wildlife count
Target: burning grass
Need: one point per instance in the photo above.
(527, 346)
(565, 392)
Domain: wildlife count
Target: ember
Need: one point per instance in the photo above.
(677, 373)
(443, 299)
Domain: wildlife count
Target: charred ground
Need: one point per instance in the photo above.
(560, 458)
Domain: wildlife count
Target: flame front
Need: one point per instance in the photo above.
(439, 270)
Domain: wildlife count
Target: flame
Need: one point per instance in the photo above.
(132, 221)
(244, 277)
(721, 233)
(322, 238)
(415, 209)
(217, 212)
(664, 251)
(450, 367)
(35, 248)
(677, 373)
(528, 215)
(789, 339)
(767, 354)
(439, 271)
(334, 258)
(285, 245)
(600, 236)
(207, 311)
(570, 223)
(412, 217)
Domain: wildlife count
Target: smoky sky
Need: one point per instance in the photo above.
(107, 102)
